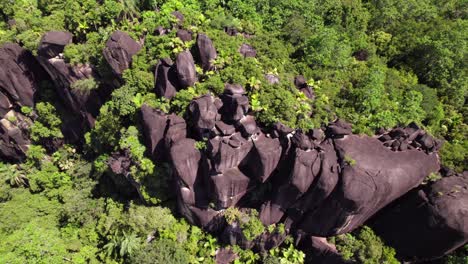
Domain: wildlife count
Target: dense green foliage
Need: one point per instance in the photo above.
(374, 63)
(364, 247)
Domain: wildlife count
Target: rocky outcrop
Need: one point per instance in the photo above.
(321, 183)
(206, 52)
(371, 177)
(166, 81)
(82, 100)
(429, 222)
(19, 77)
(247, 51)
(119, 51)
(186, 69)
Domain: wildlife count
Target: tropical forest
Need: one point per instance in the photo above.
(233, 131)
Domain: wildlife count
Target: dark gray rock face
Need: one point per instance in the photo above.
(247, 51)
(83, 104)
(204, 113)
(372, 176)
(264, 158)
(235, 103)
(428, 223)
(119, 173)
(53, 43)
(19, 75)
(320, 183)
(119, 51)
(154, 129)
(229, 187)
(206, 52)
(184, 35)
(166, 81)
(186, 69)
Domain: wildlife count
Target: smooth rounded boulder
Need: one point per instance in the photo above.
(428, 223)
(186, 69)
(119, 51)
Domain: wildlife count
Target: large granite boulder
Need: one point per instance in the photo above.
(206, 51)
(204, 114)
(235, 103)
(165, 76)
(119, 51)
(19, 77)
(186, 69)
(154, 129)
(372, 176)
(263, 159)
(53, 43)
(229, 187)
(428, 223)
(82, 101)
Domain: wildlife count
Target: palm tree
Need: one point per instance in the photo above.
(14, 175)
(122, 245)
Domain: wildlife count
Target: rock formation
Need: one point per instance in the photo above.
(19, 77)
(429, 222)
(322, 183)
(166, 81)
(206, 51)
(83, 103)
(186, 69)
(119, 51)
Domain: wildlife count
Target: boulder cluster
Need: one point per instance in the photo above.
(317, 184)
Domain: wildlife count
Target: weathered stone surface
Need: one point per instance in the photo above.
(176, 130)
(119, 165)
(166, 81)
(225, 129)
(338, 129)
(301, 84)
(206, 51)
(247, 51)
(235, 103)
(18, 76)
(229, 187)
(14, 142)
(83, 104)
(53, 43)
(186, 69)
(154, 129)
(184, 35)
(119, 51)
(428, 223)
(186, 158)
(180, 17)
(228, 152)
(248, 126)
(204, 114)
(225, 256)
(263, 159)
(372, 177)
